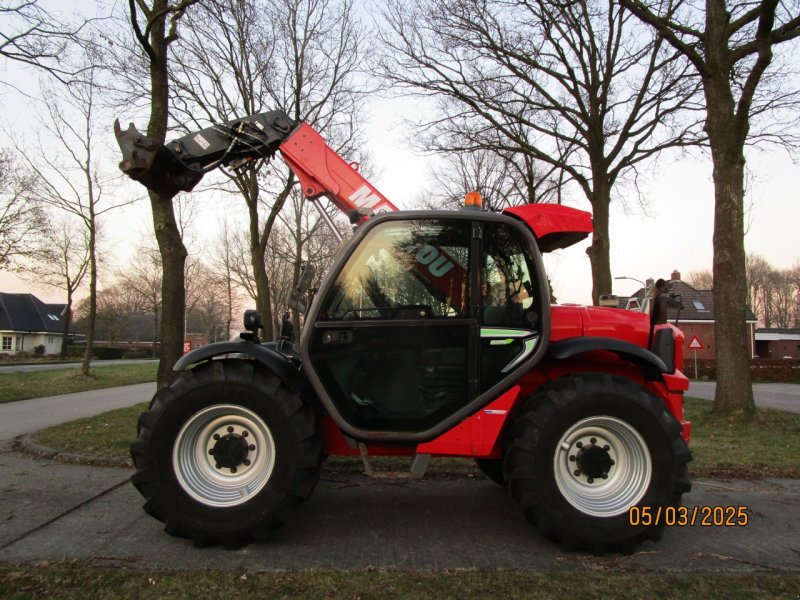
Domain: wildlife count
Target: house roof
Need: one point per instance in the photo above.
(26, 313)
(769, 334)
(698, 305)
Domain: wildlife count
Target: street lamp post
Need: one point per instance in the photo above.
(643, 306)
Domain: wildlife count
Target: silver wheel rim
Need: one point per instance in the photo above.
(625, 482)
(196, 468)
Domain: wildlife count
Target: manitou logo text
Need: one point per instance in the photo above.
(364, 197)
(432, 258)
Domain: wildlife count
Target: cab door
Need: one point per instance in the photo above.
(391, 341)
(403, 340)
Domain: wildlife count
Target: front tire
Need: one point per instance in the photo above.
(584, 450)
(225, 453)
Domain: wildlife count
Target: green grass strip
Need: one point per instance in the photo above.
(766, 444)
(36, 384)
(65, 580)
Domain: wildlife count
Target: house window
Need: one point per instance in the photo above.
(50, 340)
(53, 317)
(6, 342)
(18, 343)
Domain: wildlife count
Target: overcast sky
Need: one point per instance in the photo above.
(674, 231)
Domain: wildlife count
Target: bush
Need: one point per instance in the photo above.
(140, 353)
(103, 353)
(39, 350)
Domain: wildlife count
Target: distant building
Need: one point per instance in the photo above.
(778, 343)
(696, 319)
(27, 322)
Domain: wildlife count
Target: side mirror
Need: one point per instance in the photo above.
(307, 271)
(252, 320)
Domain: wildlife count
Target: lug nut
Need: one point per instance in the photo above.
(230, 429)
(613, 463)
(590, 480)
(245, 433)
(605, 475)
(247, 462)
(593, 440)
(572, 458)
(251, 447)
(606, 447)
(233, 469)
(579, 444)
(211, 451)
(576, 472)
(216, 437)
(217, 466)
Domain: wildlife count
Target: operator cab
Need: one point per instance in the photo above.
(426, 317)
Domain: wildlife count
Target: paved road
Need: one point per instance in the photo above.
(75, 365)
(352, 522)
(783, 396)
(27, 416)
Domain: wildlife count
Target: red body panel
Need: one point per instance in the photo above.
(479, 436)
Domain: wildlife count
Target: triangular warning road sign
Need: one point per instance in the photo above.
(695, 344)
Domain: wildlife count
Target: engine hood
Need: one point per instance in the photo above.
(596, 321)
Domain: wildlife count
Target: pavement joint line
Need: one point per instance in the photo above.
(65, 513)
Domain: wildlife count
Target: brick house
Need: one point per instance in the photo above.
(696, 319)
(778, 343)
(26, 322)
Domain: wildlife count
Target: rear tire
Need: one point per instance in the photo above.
(225, 453)
(584, 450)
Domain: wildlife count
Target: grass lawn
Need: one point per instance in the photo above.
(74, 580)
(765, 446)
(36, 384)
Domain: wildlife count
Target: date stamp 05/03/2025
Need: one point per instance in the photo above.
(689, 516)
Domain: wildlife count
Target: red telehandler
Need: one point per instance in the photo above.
(432, 335)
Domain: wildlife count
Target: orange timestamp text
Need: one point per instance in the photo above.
(688, 516)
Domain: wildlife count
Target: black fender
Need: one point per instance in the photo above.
(276, 362)
(650, 362)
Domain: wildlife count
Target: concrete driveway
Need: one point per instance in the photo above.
(53, 512)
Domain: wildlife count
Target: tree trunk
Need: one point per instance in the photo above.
(733, 351)
(67, 322)
(600, 250)
(154, 347)
(170, 244)
(173, 287)
(92, 317)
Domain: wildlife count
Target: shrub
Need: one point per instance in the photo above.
(39, 350)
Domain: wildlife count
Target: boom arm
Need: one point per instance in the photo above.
(180, 164)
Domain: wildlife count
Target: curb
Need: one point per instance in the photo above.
(28, 445)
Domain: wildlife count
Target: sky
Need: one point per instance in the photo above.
(673, 232)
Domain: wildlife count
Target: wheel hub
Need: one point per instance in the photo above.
(223, 455)
(602, 466)
(230, 451)
(595, 461)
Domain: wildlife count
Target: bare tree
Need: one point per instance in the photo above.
(579, 86)
(155, 26)
(222, 268)
(246, 56)
(67, 175)
(61, 260)
(142, 280)
(502, 179)
(730, 46)
(34, 36)
(21, 214)
(701, 280)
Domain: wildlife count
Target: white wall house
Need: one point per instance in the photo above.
(27, 322)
